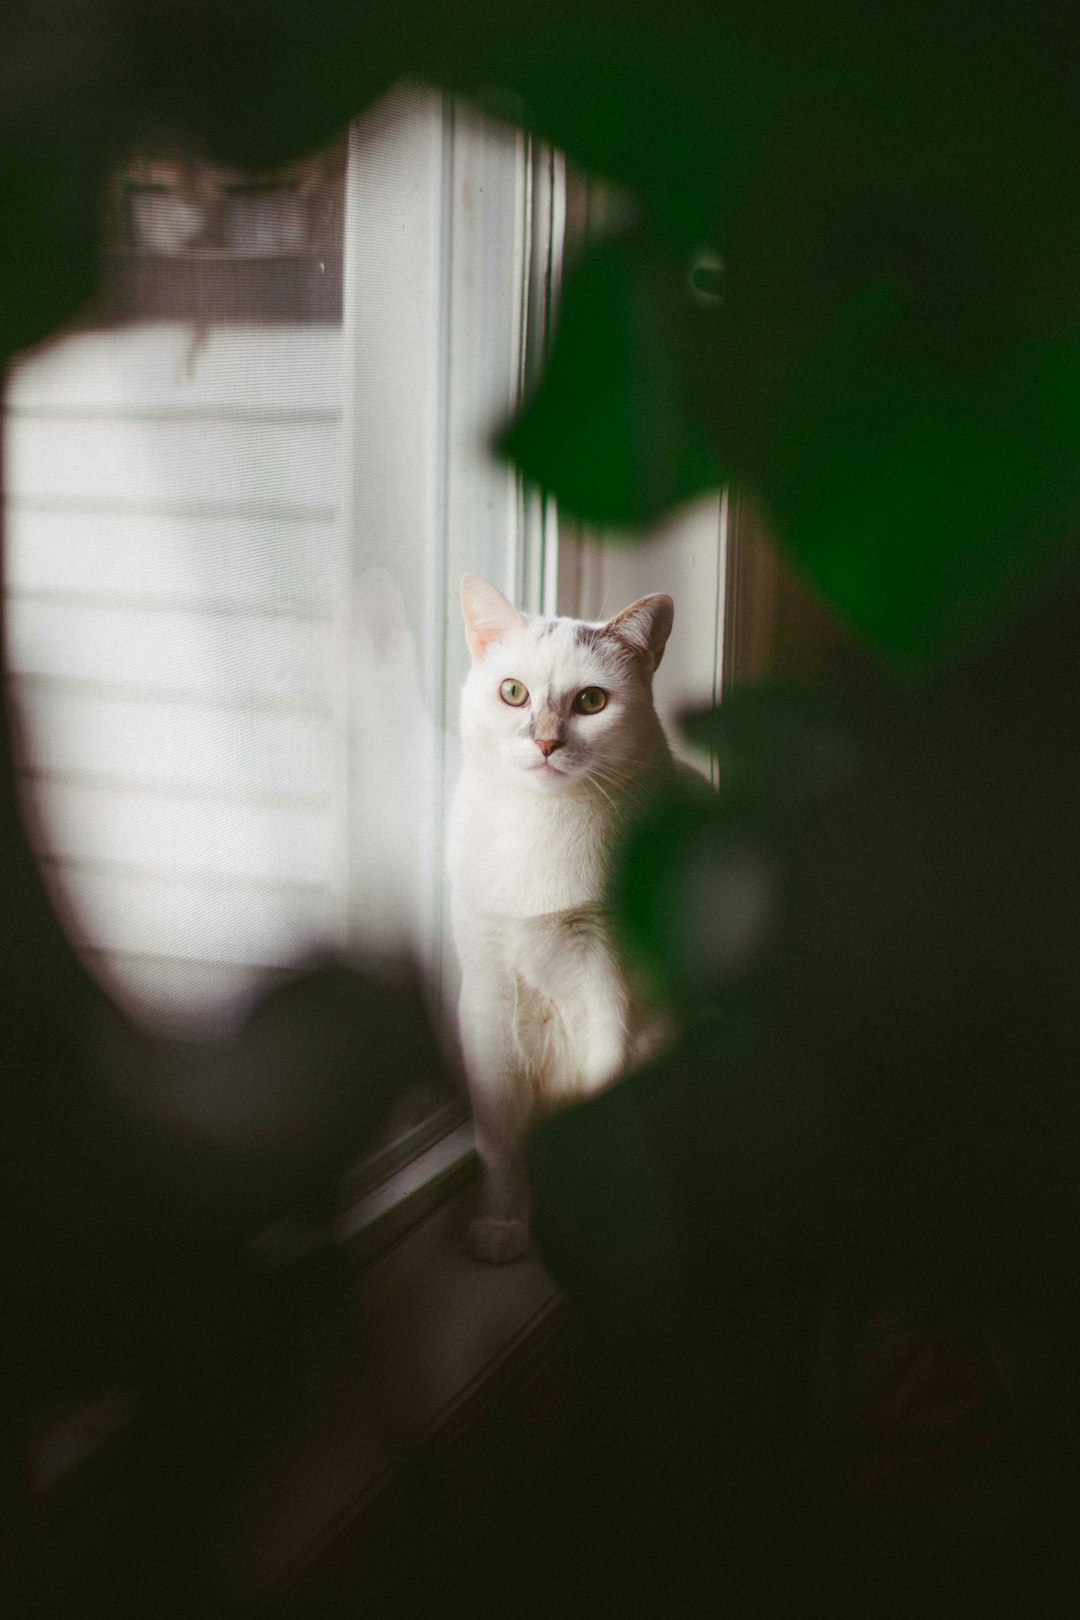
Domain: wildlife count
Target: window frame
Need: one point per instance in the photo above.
(474, 188)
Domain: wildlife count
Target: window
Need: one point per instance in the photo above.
(200, 480)
(241, 495)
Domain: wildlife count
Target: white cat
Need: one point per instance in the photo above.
(559, 737)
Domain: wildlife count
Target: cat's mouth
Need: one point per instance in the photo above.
(545, 768)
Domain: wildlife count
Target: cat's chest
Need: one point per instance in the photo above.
(532, 856)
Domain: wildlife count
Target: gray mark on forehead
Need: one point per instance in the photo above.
(599, 639)
(587, 635)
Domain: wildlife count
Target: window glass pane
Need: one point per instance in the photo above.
(240, 494)
(225, 490)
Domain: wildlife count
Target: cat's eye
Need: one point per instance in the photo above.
(591, 700)
(514, 693)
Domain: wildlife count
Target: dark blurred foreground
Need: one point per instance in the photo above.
(821, 1259)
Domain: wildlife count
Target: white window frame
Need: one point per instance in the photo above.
(453, 236)
(453, 250)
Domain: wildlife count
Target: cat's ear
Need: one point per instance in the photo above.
(644, 627)
(488, 615)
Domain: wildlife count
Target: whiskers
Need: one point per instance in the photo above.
(592, 777)
(615, 783)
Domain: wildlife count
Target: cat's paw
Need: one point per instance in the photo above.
(497, 1241)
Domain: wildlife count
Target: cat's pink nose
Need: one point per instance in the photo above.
(548, 745)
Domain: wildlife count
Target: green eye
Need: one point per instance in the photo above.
(514, 693)
(591, 700)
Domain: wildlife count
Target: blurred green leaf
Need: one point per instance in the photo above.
(613, 430)
(648, 883)
(779, 746)
(919, 500)
(697, 888)
(609, 1220)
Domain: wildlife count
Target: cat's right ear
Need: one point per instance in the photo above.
(488, 615)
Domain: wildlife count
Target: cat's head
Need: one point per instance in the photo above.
(558, 702)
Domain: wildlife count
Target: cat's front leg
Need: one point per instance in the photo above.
(500, 1232)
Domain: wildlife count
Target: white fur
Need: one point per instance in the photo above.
(547, 1010)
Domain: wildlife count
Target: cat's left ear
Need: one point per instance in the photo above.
(488, 615)
(645, 626)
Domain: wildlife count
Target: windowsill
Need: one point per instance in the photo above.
(394, 1193)
(438, 1335)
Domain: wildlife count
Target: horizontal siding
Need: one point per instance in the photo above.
(173, 571)
(260, 562)
(185, 837)
(294, 466)
(175, 364)
(224, 655)
(150, 742)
